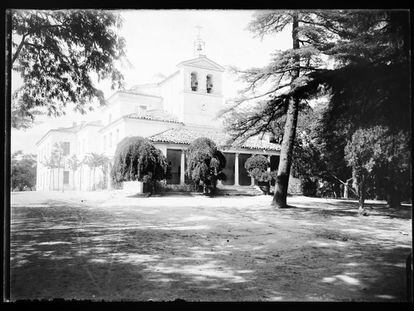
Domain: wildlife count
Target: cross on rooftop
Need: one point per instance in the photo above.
(199, 44)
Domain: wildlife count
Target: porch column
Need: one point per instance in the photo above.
(251, 181)
(268, 160)
(108, 178)
(236, 169)
(182, 168)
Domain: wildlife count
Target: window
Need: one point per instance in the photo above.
(65, 147)
(209, 84)
(194, 82)
(65, 177)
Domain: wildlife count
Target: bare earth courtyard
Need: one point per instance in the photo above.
(105, 245)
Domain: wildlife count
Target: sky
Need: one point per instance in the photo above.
(157, 40)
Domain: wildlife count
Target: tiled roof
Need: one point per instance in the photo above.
(157, 115)
(186, 134)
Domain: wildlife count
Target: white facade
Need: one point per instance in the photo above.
(191, 97)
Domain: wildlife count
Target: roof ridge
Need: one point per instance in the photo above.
(205, 58)
(162, 132)
(169, 117)
(183, 135)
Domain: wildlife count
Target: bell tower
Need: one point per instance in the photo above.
(201, 92)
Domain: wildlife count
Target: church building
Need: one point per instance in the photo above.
(171, 113)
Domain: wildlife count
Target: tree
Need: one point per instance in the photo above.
(287, 71)
(74, 164)
(58, 160)
(50, 163)
(94, 160)
(136, 158)
(102, 162)
(367, 83)
(54, 161)
(256, 166)
(205, 164)
(370, 89)
(23, 171)
(105, 167)
(376, 150)
(57, 53)
(319, 156)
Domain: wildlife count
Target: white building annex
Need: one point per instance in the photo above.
(171, 113)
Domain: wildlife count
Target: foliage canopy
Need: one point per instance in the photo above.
(136, 158)
(358, 61)
(256, 167)
(58, 54)
(23, 171)
(205, 163)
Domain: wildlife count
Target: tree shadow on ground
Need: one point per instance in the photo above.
(139, 265)
(85, 254)
(350, 208)
(360, 274)
(71, 252)
(159, 265)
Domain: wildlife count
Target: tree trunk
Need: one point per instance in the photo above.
(90, 180)
(361, 187)
(58, 179)
(80, 178)
(50, 179)
(93, 180)
(346, 188)
(73, 186)
(53, 180)
(282, 179)
(355, 185)
(63, 180)
(104, 170)
(393, 196)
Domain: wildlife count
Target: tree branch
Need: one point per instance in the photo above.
(16, 54)
(240, 101)
(345, 183)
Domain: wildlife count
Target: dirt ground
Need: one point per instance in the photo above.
(106, 245)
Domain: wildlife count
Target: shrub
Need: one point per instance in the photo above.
(309, 187)
(136, 158)
(205, 164)
(175, 188)
(23, 171)
(256, 163)
(256, 166)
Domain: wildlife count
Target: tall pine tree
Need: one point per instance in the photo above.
(367, 80)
